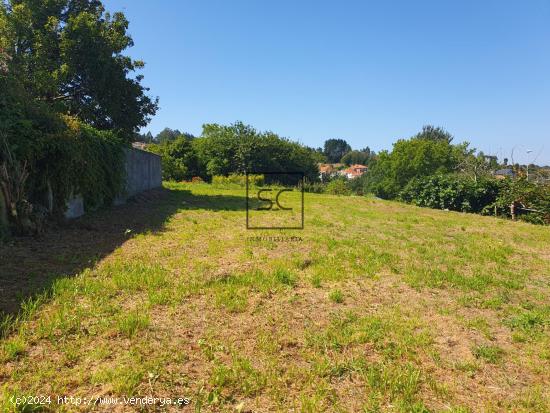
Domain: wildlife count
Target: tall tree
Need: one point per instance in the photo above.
(434, 133)
(167, 135)
(363, 157)
(412, 158)
(334, 149)
(69, 53)
(179, 158)
(239, 148)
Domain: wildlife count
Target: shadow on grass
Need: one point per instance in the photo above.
(30, 265)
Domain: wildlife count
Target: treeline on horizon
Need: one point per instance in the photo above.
(428, 169)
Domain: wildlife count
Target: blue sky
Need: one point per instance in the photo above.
(366, 71)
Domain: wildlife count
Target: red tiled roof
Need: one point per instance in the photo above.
(354, 170)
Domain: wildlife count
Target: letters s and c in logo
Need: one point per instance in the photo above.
(267, 208)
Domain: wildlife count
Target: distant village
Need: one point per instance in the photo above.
(331, 170)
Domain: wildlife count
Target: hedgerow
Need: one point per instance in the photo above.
(485, 196)
(450, 191)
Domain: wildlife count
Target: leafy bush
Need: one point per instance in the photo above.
(338, 186)
(358, 185)
(531, 195)
(453, 192)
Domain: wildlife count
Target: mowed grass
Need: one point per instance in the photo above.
(379, 306)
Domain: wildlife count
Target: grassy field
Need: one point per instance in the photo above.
(377, 306)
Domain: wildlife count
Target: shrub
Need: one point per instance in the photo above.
(453, 192)
(338, 186)
(358, 185)
(533, 196)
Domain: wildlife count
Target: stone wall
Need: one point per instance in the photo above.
(143, 172)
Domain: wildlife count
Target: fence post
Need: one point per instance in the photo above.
(513, 210)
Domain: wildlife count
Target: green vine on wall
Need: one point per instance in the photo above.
(63, 157)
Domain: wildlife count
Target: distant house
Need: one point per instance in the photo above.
(325, 169)
(504, 173)
(328, 170)
(354, 171)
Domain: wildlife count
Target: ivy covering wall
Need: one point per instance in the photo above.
(46, 158)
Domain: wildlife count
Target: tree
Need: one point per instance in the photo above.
(477, 166)
(362, 157)
(334, 149)
(433, 133)
(415, 157)
(145, 137)
(69, 54)
(167, 135)
(239, 148)
(317, 154)
(179, 158)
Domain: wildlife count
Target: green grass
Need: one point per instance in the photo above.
(12, 348)
(380, 307)
(132, 322)
(336, 296)
(491, 354)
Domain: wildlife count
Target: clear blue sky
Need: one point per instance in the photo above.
(366, 71)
